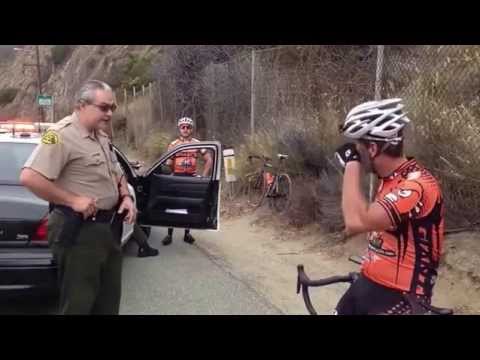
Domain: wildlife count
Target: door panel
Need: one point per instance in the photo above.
(182, 201)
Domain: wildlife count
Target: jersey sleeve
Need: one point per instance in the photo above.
(403, 200)
(50, 156)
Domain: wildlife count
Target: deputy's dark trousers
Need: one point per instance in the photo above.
(90, 269)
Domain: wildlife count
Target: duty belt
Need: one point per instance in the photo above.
(102, 216)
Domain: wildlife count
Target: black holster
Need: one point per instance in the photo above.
(117, 225)
(71, 226)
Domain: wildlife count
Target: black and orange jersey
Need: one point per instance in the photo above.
(406, 258)
(185, 162)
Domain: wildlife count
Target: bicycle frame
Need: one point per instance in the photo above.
(269, 185)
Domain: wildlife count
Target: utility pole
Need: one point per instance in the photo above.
(378, 96)
(39, 76)
(252, 96)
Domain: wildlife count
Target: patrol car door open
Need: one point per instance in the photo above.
(181, 201)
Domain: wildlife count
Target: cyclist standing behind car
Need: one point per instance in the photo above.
(405, 221)
(184, 163)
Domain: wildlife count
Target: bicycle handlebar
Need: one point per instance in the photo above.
(303, 283)
(304, 280)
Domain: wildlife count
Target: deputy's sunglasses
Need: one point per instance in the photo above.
(183, 127)
(105, 107)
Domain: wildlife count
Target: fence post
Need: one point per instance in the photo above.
(150, 89)
(53, 108)
(379, 72)
(125, 99)
(143, 90)
(125, 111)
(158, 87)
(252, 96)
(134, 92)
(378, 95)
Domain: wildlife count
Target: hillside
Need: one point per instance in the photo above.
(61, 76)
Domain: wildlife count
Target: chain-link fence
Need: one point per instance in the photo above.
(440, 85)
(291, 99)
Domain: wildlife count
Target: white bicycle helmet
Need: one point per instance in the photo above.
(376, 120)
(185, 121)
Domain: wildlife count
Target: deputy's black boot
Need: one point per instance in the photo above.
(188, 238)
(168, 239)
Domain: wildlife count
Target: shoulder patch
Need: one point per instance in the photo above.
(50, 138)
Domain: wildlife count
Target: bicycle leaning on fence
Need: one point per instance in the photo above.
(269, 182)
(304, 282)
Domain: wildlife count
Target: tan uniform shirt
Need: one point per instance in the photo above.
(78, 161)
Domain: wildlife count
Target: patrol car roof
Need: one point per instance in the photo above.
(8, 137)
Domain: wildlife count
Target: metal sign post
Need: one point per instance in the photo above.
(229, 164)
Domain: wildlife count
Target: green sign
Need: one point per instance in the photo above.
(45, 100)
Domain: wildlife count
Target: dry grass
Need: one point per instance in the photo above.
(303, 94)
(443, 102)
(316, 200)
(445, 130)
(155, 144)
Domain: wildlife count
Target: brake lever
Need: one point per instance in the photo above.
(356, 259)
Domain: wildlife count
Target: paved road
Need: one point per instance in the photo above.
(183, 279)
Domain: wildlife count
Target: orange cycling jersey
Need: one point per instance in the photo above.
(185, 162)
(407, 257)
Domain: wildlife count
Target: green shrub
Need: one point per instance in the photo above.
(7, 95)
(60, 53)
(137, 71)
(155, 145)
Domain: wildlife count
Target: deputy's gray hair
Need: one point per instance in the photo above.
(86, 94)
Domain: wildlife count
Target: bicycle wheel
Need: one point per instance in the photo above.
(255, 189)
(282, 193)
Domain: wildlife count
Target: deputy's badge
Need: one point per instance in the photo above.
(50, 138)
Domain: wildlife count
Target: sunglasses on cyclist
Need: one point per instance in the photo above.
(105, 107)
(183, 127)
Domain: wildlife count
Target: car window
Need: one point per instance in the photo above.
(12, 158)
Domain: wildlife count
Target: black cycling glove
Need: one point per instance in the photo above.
(346, 153)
